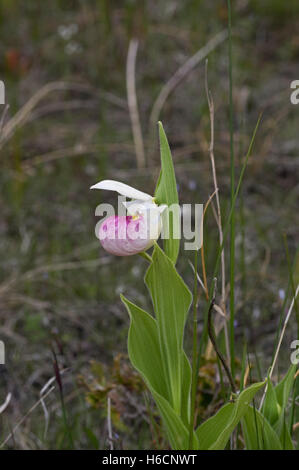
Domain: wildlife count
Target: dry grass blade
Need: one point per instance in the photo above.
(209, 201)
(6, 403)
(24, 417)
(286, 321)
(181, 73)
(71, 152)
(132, 103)
(6, 108)
(67, 266)
(42, 401)
(212, 158)
(198, 277)
(109, 423)
(218, 214)
(24, 114)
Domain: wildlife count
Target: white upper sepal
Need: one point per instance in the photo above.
(123, 189)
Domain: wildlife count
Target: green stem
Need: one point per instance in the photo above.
(144, 255)
(232, 191)
(194, 353)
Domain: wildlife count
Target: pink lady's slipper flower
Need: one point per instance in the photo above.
(127, 235)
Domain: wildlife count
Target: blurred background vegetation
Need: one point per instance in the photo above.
(68, 126)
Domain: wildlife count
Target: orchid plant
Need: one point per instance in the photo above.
(155, 341)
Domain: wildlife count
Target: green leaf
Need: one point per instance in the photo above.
(176, 430)
(274, 408)
(210, 431)
(171, 299)
(166, 193)
(283, 389)
(258, 433)
(144, 349)
(271, 406)
(214, 433)
(283, 432)
(144, 353)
